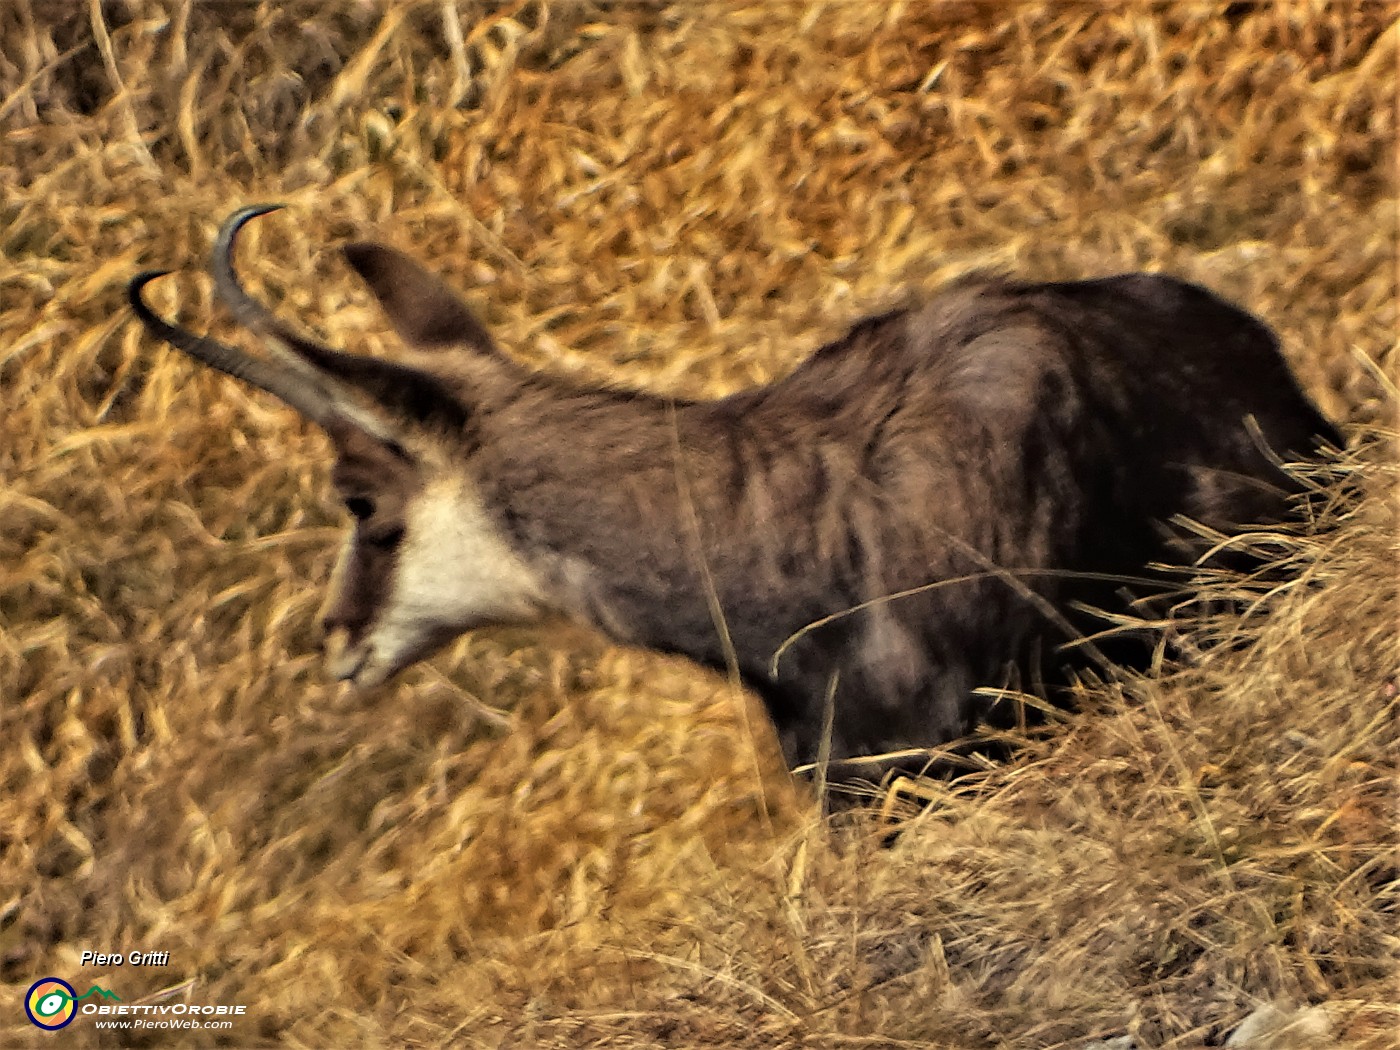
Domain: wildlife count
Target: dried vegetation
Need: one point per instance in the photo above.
(542, 841)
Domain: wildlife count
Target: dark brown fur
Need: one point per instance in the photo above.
(1003, 426)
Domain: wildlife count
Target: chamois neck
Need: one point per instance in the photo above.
(587, 480)
(584, 432)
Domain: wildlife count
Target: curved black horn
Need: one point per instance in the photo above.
(252, 314)
(246, 310)
(403, 390)
(278, 380)
(317, 377)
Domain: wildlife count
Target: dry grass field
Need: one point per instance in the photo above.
(539, 840)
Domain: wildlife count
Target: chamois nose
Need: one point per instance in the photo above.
(343, 617)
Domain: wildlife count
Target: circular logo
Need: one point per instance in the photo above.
(49, 1003)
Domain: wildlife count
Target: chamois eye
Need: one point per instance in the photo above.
(360, 508)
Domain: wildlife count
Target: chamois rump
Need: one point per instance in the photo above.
(917, 511)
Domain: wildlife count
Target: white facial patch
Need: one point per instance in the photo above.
(455, 571)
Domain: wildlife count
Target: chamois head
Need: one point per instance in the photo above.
(423, 562)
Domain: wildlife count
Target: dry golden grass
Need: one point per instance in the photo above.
(541, 841)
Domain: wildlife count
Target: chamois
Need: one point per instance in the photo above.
(922, 508)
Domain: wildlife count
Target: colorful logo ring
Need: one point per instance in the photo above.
(50, 1003)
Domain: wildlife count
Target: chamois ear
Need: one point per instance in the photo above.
(424, 311)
